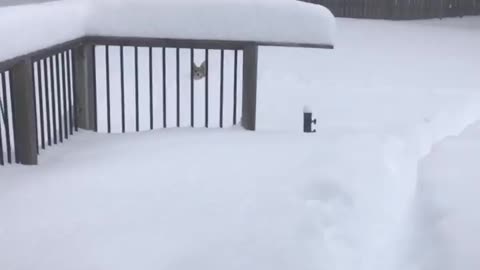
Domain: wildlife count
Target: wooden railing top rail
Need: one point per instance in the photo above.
(150, 42)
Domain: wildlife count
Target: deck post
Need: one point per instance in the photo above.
(85, 86)
(249, 102)
(24, 120)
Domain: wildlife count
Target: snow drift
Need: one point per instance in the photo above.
(28, 28)
(266, 21)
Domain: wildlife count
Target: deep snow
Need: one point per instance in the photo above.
(270, 21)
(208, 199)
(339, 199)
(28, 28)
(448, 197)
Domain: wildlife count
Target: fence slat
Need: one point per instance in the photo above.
(13, 125)
(150, 78)
(34, 93)
(59, 98)
(40, 101)
(53, 103)
(137, 106)
(94, 74)
(164, 82)
(192, 88)
(107, 79)
(178, 86)
(206, 86)
(47, 100)
(3, 120)
(122, 86)
(235, 75)
(65, 104)
(70, 92)
(222, 67)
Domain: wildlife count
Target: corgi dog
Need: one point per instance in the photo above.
(199, 72)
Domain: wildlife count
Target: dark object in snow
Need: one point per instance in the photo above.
(400, 9)
(308, 121)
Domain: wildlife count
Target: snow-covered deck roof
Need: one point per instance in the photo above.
(28, 28)
(274, 22)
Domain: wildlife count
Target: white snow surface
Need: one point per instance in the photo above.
(28, 28)
(448, 198)
(280, 21)
(344, 198)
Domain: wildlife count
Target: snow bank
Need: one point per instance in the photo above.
(268, 21)
(395, 84)
(449, 196)
(237, 200)
(28, 28)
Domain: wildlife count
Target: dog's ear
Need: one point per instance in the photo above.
(194, 66)
(202, 66)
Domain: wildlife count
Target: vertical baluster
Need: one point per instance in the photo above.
(34, 93)
(40, 101)
(71, 108)
(178, 87)
(65, 103)
(52, 93)
(150, 77)
(164, 96)
(222, 64)
(74, 90)
(48, 90)
(235, 74)
(206, 88)
(107, 79)
(94, 73)
(192, 88)
(59, 98)
(137, 112)
(122, 86)
(13, 127)
(2, 121)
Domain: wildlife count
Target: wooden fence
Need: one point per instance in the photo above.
(400, 9)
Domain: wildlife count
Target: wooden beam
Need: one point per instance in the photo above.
(25, 129)
(84, 87)
(249, 105)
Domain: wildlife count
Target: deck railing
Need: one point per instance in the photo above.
(47, 96)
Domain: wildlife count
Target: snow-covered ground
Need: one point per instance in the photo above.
(447, 199)
(344, 198)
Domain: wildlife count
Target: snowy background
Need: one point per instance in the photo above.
(378, 187)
